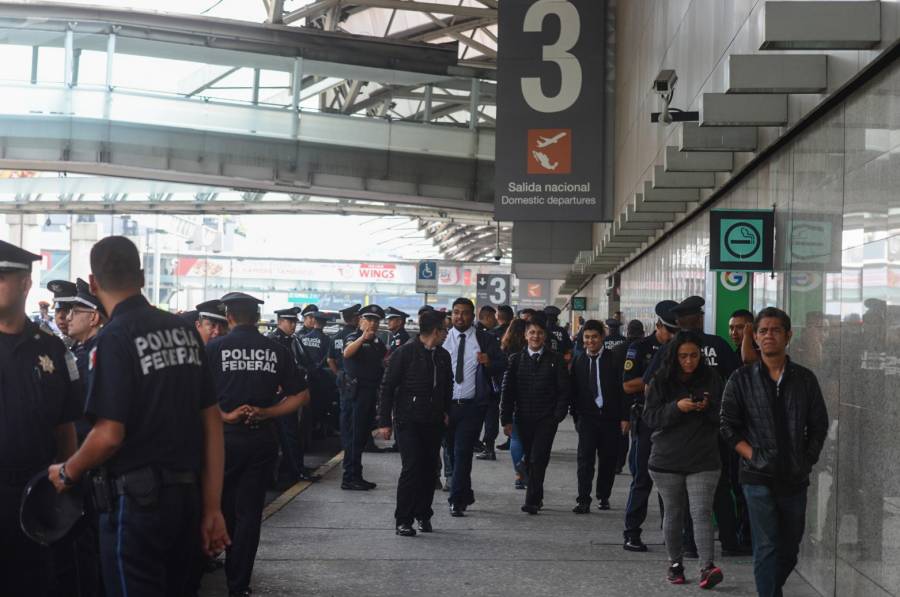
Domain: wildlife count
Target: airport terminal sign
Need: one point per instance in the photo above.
(550, 111)
(741, 240)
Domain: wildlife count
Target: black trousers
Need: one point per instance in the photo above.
(537, 441)
(250, 457)
(24, 565)
(491, 425)
(149, 551)
(420, 446)
(357, 415)
(598, 441)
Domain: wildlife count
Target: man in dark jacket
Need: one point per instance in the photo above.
(774, 416)
(601, 416)
(416, 388)
(536, 393)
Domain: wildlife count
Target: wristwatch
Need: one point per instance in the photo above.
(64, 478)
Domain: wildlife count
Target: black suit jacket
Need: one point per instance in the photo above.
(615, 403)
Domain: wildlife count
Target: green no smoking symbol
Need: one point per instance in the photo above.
(742, 240)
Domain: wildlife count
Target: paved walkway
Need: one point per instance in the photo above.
(328, 542)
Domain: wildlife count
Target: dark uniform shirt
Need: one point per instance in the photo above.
(317, 346)
(149, 372)
(396, 340)
(717, 352)
(337, 345)
(82, 352)
(499, 331)
(249, 368)
(292, 343)
(558, 339)
(39, 390)
(639, 356)
(367, 365)
(614, 340)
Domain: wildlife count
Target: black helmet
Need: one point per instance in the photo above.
(45, 515)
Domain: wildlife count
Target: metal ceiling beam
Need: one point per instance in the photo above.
(316, 9)
(412, 5)
(466, 40)
(275, 11)
(432, 31)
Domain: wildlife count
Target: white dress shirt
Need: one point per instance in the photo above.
(465, 390)
(598, 399)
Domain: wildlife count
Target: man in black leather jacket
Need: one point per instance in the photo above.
(416, 388)
(774, 416)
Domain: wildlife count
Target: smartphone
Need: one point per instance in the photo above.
(698, 399)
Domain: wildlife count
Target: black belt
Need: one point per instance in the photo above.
(460, 402)
(167, 478)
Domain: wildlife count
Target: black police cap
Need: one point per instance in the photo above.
(287, 313)
(663, 311)
(15, 259)
(372, 312)
(239, 297)
(214, 309)
(321, 315)
(613, 323)
(84, 297)
(62, 289)
(309, 309)
(552, 311)
(350, 312)
(391, 313)
(692, 305)
(45, 515)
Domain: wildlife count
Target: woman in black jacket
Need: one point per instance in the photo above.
(417, 388)
(536, 394)
(683, 408)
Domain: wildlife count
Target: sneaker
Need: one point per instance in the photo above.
(711, 576)
(676, 574)
(504, 446)
(582, 509)
(634, 544)
(486, 455)
(520, 484)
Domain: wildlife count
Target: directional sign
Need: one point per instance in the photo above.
(579, 303)
(741, 240)
(427, 277)
(492, 289)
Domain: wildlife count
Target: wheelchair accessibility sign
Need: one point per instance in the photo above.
(427, 277)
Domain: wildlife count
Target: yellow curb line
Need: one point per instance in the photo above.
(299, 487)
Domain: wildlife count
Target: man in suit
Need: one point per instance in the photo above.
(601, 416)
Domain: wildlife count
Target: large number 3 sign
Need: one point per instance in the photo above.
(558, 53)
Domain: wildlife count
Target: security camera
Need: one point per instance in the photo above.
(664, 83)
(498, 254)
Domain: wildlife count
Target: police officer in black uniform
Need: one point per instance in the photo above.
(309, 320)
(256, 382)
(156, 429)
(350, 315)
(637, 359)
(211, 322)
(62, 290)
(614, 337)
(558, 339)
(364, 356)
(39, 400)
(396, 325)
(323, 412)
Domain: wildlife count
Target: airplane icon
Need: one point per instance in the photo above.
(548, 141)
(544, 161)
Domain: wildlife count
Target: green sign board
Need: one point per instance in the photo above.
(303, 300)
(579, 303)
(741, 240)
(732, 293)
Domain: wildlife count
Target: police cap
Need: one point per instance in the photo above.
(372, 312)
(350, 312)
(45, 515)
(14, 259)
(214, 309)
(321, 316)
(692, 305)
(663, 311)
(239, 297)
(287, 313)
(391, 313)
(309, 309)
(84, 297)
(552, 311)
(612, 322)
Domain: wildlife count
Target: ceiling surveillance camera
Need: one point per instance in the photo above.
(664, 83)
(498, 254)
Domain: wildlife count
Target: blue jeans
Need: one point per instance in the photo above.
(516, 451)
(466, 419)
(777, 523)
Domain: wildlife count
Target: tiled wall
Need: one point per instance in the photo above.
(844, 173)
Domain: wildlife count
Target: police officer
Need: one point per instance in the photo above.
(363, 367)
(504, 318)
(350, 315)
(396, 324)
(614, 338)
(317, 346)
(40, 400)
(61, 289)
(637, 360)
(157, 430)
(558, 339)
(256, 382)
(289, 436)
(487, 318)
(211, 322)
(309, 320)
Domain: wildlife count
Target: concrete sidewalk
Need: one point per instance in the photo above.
(330, 542)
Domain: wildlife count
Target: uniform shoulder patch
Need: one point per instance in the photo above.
(629, 365)
(631, 354)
